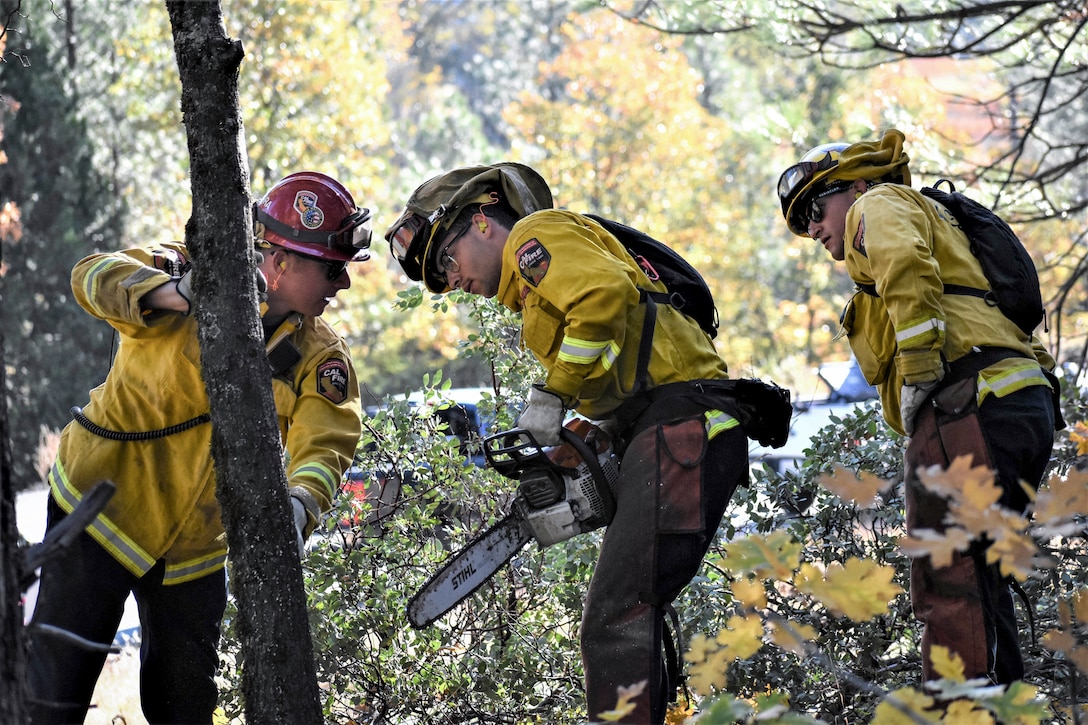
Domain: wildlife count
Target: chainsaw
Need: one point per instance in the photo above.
(563, 491)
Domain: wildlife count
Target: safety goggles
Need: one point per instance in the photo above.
(354, 233)
(405, 234)
(800, 174)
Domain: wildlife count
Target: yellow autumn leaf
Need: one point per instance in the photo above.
(701, 649)
(743, 635)
(750, 593)
(939, 547)
(979, 491)
(1079, 657)
(952, 481)
(964, 712)
(1014, 553)
(946, 663)
(791, 636)
(859, 590)
(1080, 605)
(979, 522)
(1056, 640)
(624, 706)
(679, 713)
(861, 489)
(1079, 435)
(776, 553)
(1062, 498)
(905, 706)
(710, 675)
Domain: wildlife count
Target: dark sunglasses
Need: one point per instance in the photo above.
(816, 210)
(333, 267)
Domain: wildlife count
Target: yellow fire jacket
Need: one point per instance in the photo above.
(908, 247)
(165, 505)
(577, 290)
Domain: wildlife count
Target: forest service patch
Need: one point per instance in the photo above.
(533, 260)
(332, 380)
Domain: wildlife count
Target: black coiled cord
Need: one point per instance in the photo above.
(144, 435)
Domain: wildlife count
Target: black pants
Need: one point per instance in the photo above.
(673, 491)
(84, 591)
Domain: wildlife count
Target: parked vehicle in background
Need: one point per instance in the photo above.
(847, 389)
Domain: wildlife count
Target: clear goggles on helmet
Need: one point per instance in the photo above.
(411, 229)
(354, 232)
(800, 174)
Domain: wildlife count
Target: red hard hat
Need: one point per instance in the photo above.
(313, 214)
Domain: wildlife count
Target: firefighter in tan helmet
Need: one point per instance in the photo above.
(954, 373)
(493, 231)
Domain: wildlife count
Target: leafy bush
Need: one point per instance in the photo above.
(764, 632)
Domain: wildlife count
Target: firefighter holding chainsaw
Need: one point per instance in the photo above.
(147, 429)
(493, 231)
(954, 373)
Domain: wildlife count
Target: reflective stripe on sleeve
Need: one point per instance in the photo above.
(321, 474)
(718, 422)
(585, 352)
(905, 336)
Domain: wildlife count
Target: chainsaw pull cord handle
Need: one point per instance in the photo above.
(589, 455)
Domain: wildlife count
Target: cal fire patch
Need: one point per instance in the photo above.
(309, 213)
(533, 260)
(332, 380)
(859, 237)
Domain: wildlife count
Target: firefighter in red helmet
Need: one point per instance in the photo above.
(146, 428)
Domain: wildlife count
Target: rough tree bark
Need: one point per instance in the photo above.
(13, 661)
(279, 682)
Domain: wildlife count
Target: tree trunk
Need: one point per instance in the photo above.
(12, 645)
(279, 683)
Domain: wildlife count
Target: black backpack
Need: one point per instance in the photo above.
(687, 293)
(1014, 283)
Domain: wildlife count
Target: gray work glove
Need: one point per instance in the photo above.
(185, 289)
(911, 398)
(300, 525)
(543, 416)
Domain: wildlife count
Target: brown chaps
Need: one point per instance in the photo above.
(673, 490)
(967, 606)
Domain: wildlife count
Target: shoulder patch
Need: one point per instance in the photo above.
(533, 260)
(332, 380)
(859, 237)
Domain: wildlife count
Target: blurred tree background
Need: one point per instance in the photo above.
(675, 116)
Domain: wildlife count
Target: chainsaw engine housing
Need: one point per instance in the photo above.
(567, 489)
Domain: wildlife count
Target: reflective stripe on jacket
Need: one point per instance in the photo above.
(907, 247)
(165, 505)
(577, 290)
